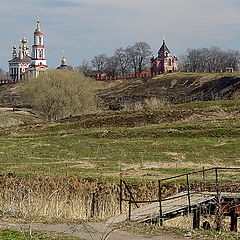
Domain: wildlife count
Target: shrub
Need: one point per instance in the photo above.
(60, 93)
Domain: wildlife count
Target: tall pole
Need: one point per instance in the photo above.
(204, 178)
(188, 191)
(218, 211)
(120, 194)
(130, 203)
(160, 203)
(217, 184)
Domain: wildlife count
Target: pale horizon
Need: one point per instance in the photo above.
(86, 28)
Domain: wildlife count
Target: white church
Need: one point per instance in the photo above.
(23, 65)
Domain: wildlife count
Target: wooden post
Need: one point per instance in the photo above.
(130, 202)
(234, 218)
(130, 193)
(120, 194)
(217, 184)
(196, 218)
(204, 178)
(160, 203)
(218, 209)
(188, 190)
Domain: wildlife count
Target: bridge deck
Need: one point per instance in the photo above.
(170, 208)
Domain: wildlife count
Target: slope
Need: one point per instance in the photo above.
(171, 89)
(145, 144)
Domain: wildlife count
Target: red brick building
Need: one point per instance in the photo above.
(164, 62)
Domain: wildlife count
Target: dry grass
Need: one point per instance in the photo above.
(172, 88)
(71, 198)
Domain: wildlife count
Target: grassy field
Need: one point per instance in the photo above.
(51, 170)
(146, 144)
(7, 234)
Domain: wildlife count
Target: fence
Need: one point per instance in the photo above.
(219, 179)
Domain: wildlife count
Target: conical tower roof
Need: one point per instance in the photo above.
(38, 29)
(163, 48)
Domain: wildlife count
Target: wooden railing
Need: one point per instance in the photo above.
(215, 187)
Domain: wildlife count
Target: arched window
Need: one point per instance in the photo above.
(40, 40)
(170, 62)
(40, 54)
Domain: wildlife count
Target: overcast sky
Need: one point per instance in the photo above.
(85, 28)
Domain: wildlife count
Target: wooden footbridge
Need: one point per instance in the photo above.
(217, 199)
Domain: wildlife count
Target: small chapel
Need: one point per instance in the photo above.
(164, 62)
(23, 65)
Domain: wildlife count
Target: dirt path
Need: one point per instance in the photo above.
(90, 231)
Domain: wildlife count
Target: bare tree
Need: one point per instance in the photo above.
(144, 53)
(99, 62)
(84, 67)
(139, 55)
(122, 58)
(111, 66)
(209, 59)
(132, 58)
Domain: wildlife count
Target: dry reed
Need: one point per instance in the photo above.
(66, 198)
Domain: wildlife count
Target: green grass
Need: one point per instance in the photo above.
(8, 234)
(166, 146)
(155, 230)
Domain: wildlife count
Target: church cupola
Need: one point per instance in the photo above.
(14, 53)
(64, 61)
(64, 65)
(163, 51)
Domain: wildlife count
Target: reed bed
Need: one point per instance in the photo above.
(66, 198)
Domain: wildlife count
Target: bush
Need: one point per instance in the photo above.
(60, 93)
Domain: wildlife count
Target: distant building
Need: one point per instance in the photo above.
(164, 62)
(64, 65)
(22, 65)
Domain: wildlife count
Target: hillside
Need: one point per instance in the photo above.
(10, 95)
(66, 161)
(145, 144)
(171, 89)
(156, 92)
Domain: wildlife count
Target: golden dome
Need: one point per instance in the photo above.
(24, 40)
(64, 61)
(38, 29)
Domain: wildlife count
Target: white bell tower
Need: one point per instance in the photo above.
(38, 50)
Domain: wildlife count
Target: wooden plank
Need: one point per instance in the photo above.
(171, 206)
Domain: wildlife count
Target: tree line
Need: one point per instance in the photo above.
(133, 59)
(209, 59)
(124, 60)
